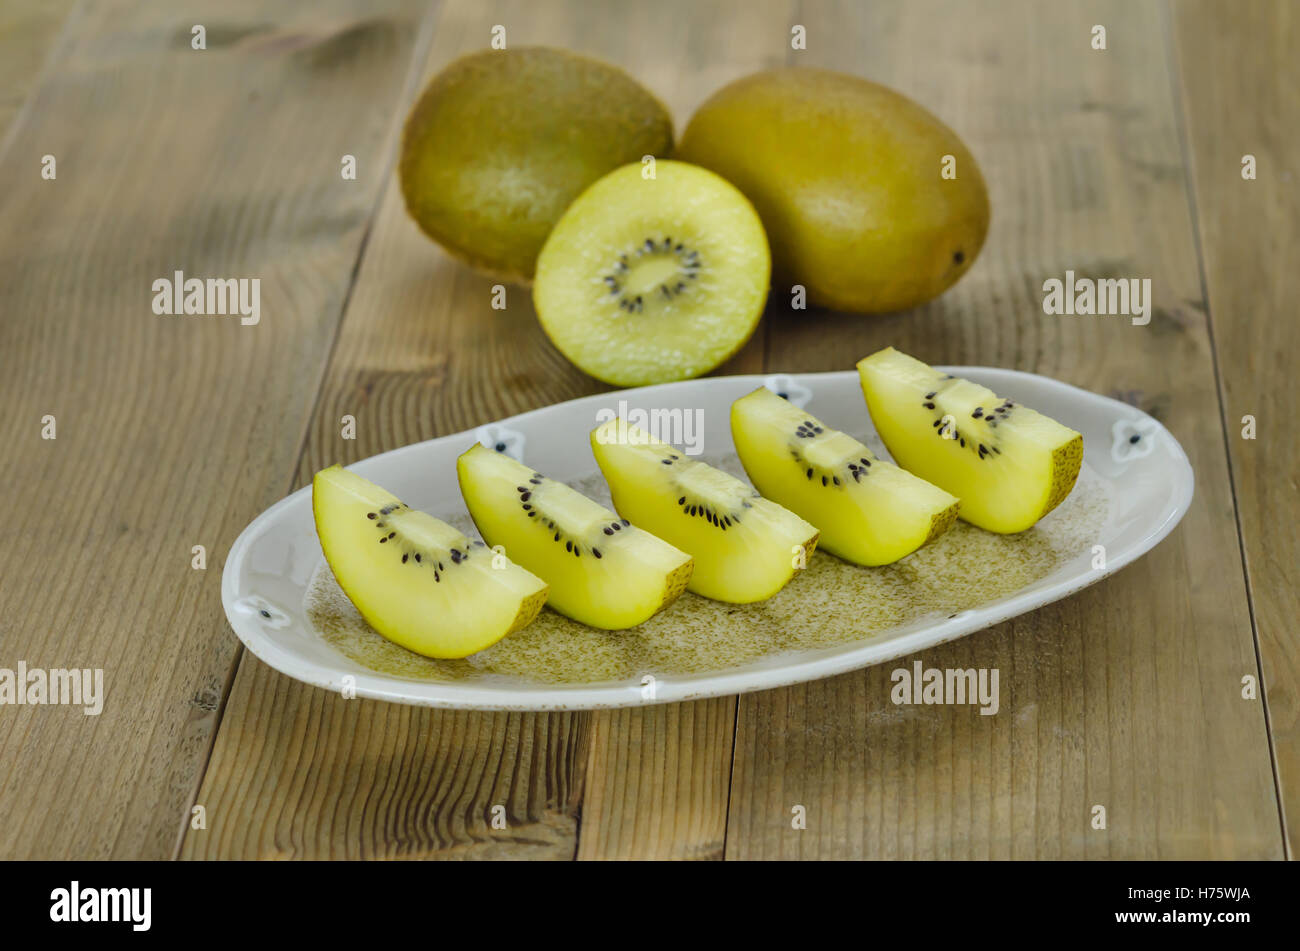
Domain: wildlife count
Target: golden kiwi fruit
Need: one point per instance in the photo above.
(501, 141)
(849, 179)
(652, 278)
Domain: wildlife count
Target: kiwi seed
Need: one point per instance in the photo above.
(991, 418)
(619, 278)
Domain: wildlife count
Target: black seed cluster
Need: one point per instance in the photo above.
(575, 547)
(810, 428)
(688, 269)
(414, 557)
(950, 431)
(998, 413)
(526, 494)
(960, 438)
(708, 513)
(386, 511)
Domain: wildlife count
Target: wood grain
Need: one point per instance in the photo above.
(171, 432)
(1240, 83)
(29, 36)
(175, 432)
(420, 354)
(1128, 694)
(657, 781)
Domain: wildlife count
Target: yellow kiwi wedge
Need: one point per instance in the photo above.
(502, 141)
(655, 273)
(602, 570)
(868, 511)
(1009, 465)
(415, 579)
(871, 203)
(746, 548)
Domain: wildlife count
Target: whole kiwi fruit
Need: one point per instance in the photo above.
(501, 141)
(848, 177)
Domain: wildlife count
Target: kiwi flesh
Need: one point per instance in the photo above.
(746, 548)
(502, 141)
(415, 579)
(868, 511)
(652, 279)
(1009, 465)
(602, 570)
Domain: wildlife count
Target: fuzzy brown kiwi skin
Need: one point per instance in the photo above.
(528, 611)
(589, 116)
(1066, 461)
(941, 522)
(677, 582)
(790, 137)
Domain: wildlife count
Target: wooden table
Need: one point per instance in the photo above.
(175, 433)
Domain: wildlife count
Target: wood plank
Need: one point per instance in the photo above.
(421, 353)
(304, 773)
(171, 432)
(1241, 95)
(657, 781)
(1126, 695)
(29, 38)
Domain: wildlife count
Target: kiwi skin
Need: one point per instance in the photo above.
(501, 141)
(846, 175)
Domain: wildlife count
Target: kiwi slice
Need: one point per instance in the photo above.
(602, 570)
(651, 279)
(868, 511)
(746, 548)
(417, 580)
(501, 142)
(1009, 465)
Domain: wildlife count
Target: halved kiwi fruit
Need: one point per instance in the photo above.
(868, 511)
(650, 279)
(1009, 465)
(602, 570)
(417, 580)
(501, 141)
(746, 548)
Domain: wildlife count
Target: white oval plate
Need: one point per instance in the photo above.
(1149, 483)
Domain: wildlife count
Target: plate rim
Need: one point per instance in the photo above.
(668, 689)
